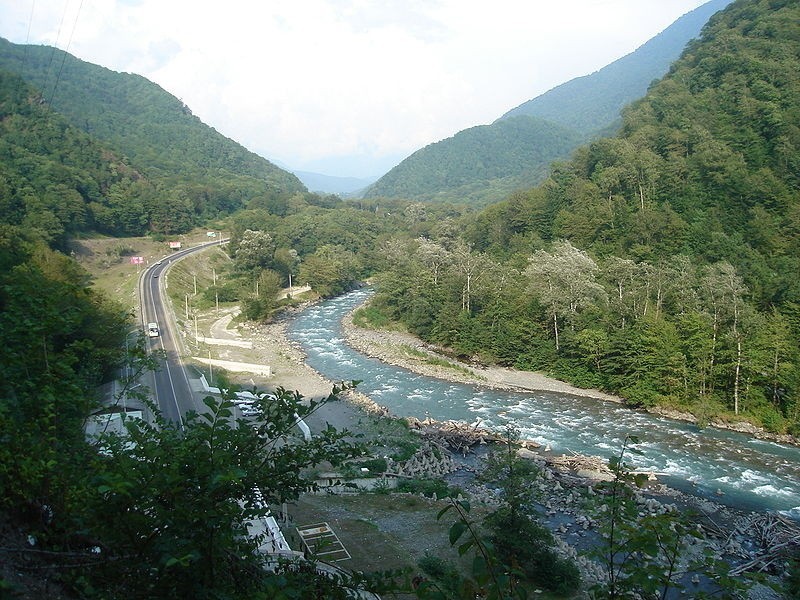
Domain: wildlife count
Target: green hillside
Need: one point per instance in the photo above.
(591, 103)
(56, 181)
(662, 264)
(154, 131)
(479, 165)
(484, 164)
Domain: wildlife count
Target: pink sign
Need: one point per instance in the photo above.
(137, 260)
(175, 245)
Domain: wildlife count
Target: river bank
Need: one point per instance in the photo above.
(409, 352)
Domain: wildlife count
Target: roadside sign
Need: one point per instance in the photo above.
(137, 260)
(211, 234)
(175, 245)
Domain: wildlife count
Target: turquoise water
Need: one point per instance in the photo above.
(752, 474)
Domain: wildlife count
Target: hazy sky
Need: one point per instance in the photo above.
(345, 87)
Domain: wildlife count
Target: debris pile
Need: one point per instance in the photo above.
(457, 436)
(777, 538)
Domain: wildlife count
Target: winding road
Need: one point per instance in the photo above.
(170, 385)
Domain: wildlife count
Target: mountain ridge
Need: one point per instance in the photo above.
(137, 118)
(476, 187)
(619, 82)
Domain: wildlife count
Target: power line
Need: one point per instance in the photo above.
(55, 43)
(66, 50)
(27, 39)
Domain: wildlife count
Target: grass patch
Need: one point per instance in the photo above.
(380, 531)
(435, 361)
(195, 276)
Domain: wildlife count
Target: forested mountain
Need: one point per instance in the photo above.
(482, 165)
(57, 181)
(707, 163)
(184, 172)
(479, 165)
(661, 264)
(593, 102)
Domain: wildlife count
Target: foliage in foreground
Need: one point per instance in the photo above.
(648, 556)
(163, 511)
(179, 500)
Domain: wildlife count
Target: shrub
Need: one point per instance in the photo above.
(522, 542)
(443, 572)
(428, 487)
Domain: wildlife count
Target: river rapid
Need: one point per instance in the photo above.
(728, 467)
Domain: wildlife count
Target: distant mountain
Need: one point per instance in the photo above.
(139, 120)
(479, 165)
(486, 165)
(590, 103)
(330, 184)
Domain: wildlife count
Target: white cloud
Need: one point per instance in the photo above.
(309, 81)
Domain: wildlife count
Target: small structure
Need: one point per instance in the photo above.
(321, 541)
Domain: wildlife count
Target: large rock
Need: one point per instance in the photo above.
(594, 475)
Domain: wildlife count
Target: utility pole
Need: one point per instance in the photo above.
(194, 276)
(186, 297)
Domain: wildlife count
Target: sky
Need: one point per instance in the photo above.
(345, 87)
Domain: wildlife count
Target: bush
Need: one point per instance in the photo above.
(442, 572)
(771, 419)
(370, 317)
(428, 487)
(405, 449)
(228, 292)
(793, 580)
(375, 465)
(525, 544)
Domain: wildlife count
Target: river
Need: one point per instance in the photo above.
(726, 466)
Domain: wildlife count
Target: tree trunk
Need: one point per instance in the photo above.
(555, 328)
(737, 375)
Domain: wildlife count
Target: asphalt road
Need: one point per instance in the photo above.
(169, 385)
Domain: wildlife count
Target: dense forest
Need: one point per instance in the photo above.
(484, 164)
(150, 165)
(660, 264)
(479, 165)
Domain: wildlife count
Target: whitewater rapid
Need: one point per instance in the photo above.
(739, 470)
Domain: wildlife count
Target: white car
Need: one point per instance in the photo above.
(249, 411)
(152, 330)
